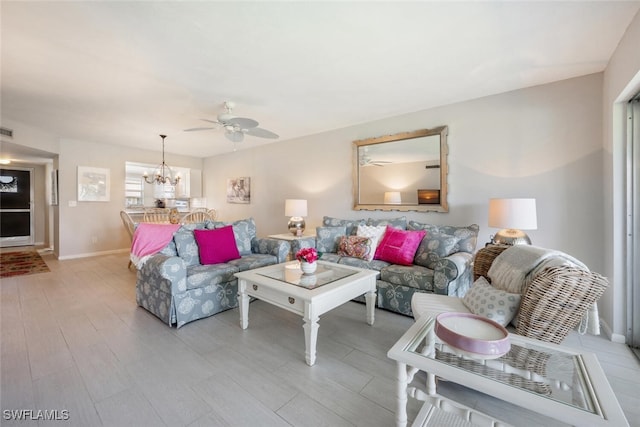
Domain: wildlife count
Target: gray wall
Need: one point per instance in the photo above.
(543, 142)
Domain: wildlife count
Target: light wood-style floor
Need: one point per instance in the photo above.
(74, 339)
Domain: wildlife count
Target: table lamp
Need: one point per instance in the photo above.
(512, 216)
(296, 209)
(392, 198)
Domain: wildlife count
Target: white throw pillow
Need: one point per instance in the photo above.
(374, 233)
(485, 300)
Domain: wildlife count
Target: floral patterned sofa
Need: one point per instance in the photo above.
(177, 288)
(442, 262)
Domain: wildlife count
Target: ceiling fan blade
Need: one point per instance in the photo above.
(262, 133)
(194, 129)
(235, 136)
(243, 122)
(211, 121)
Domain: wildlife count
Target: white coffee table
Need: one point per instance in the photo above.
(283, 285)
(553, 380)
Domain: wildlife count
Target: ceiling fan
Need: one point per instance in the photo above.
(236, 127)
(366, 160)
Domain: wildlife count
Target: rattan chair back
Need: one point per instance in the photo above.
(157, 215)
(198, 215)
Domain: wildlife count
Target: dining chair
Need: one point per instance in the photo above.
(129, 225)
(198, 215)
(157, 215)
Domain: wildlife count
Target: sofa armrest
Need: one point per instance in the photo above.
(168, 273)
(268, 246)
(452, 274)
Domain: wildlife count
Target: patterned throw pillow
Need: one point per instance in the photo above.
(434, 247)
(374, 233)
(399, 246)
(485, 300)
(355, 246)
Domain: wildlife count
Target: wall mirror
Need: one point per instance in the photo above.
(402, 172)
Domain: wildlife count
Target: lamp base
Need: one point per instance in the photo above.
(511, 237)
(296, 225)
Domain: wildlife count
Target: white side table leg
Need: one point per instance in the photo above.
(243, 301)
(310, 327)
(401, 394)
(370, 299)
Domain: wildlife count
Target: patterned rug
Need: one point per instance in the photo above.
(21, 263)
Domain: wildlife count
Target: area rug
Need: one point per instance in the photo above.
(21, 263)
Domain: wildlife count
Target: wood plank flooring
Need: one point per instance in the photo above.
(75, 340)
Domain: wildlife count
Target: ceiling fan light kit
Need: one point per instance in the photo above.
(236, 127)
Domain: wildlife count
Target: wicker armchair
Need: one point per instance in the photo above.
(554, 302)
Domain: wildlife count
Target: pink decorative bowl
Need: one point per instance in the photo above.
(473, 334)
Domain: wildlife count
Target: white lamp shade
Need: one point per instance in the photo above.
(392, 198)
(517, 214)
(295, 207)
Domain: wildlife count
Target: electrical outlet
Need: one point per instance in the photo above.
(94, 239)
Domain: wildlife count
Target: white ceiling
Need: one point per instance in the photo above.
(124, 72)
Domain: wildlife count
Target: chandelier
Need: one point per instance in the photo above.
(163, 173)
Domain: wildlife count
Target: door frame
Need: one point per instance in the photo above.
(23, 240)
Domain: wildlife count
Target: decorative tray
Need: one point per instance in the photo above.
(474, 336)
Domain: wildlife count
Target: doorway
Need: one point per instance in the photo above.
(16, 207)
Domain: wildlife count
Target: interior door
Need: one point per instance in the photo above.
(16, 207)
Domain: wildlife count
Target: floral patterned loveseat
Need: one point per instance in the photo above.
(175, 287)
(442, 262)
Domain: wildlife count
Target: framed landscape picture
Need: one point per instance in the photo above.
(93, 184)
(239, 190)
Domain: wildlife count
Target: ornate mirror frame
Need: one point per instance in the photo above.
(428, 199)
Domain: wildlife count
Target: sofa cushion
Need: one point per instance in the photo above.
(355, 246)
(216, 246)
(244, 231)
(485, 300)
(400, 222)
(327, 238)
(433, 247)
(249, 262)
(199, 276)
(399, 246)
(350, 224)
(376, 264)
(414, 276)
(467, 235)
(375, 233)
(186, 245)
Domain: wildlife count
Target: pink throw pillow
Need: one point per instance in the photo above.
(399, 246)
(216, 246)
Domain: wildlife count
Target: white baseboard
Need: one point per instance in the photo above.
(90, 254)
(616, 338)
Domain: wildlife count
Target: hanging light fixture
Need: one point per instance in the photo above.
(163, 173)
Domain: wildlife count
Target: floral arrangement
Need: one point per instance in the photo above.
(309, 255)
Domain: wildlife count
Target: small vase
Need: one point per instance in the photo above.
(308, 267)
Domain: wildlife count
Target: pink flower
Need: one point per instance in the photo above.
(307, 255)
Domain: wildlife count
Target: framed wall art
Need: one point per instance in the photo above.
(93, 184)
(239, 190)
